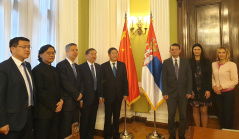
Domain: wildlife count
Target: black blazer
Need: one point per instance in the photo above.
(48, 90)
(88, 81)
(72, 87)
(13, 95)
(173, 87)
(114, 87)
(206, 83)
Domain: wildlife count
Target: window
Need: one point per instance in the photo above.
(33, 19)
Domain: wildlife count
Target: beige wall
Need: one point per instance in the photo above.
(83, 29)
(137, 8)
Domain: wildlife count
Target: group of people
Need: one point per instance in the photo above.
(49, 99)
(194, 80)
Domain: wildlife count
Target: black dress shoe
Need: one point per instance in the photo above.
(172, 137)
(181, 137)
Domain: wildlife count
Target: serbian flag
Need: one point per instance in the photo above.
(126, 56)
(152, 70)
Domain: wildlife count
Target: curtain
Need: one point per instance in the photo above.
(106, 25)
(160, 12)
(34, 19)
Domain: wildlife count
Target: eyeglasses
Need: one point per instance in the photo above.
(174, 49)
(25, 46)
(50, 53)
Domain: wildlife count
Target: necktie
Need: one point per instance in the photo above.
(74, 69)
(176, 68)
(114, 69)
(93, 74)
(29, 83)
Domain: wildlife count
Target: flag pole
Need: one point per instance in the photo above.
(155, 134)
(126, 134)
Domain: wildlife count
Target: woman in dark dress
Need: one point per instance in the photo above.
(202, 85)
(48, 97)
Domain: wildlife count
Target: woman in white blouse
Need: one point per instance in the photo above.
(224, 80)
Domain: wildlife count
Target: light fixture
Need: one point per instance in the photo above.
(139, 24)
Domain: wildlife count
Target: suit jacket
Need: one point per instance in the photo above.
(13, 95)
(114, 87)
(173, 87)
(72, 87)
(88, 81)
(48, 90)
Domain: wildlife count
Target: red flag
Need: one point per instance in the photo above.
(126, 56)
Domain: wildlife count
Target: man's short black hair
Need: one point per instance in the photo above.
(111, 49)
(175, 44)
(88, 50)
(14, 41)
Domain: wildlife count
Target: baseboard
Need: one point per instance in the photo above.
(99, 133)
(128, 120)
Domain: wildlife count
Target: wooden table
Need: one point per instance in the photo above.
(208, 133)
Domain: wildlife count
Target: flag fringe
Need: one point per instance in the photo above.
(154, 108)
(133, 101)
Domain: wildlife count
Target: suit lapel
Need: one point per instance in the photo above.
(97, 72)
(88, 70)
(70, 68)
(181, 65)
(30, 72)
(172, 67)
(110, 69)
(16, 71)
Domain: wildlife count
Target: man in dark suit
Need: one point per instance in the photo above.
(92, 95)
(177, 88)
(16, 92)
(115, 87)
(72, 86)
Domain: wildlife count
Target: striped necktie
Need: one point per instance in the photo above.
(93, 74)
(74, 69)
(114, 69)
(176, 68)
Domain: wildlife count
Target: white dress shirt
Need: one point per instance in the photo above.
(70, 62)
(21, 69)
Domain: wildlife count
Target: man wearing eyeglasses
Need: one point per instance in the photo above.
(16, 92)
(72, 85)
(177, 88)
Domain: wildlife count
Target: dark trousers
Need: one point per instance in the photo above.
(46, 128)
(67, 118)
(88, 119)
(225, 108)
(112, 109)
(25, 133)
(172, 103)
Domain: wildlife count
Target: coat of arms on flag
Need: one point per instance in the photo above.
(151, 71)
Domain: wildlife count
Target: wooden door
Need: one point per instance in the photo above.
(214, 24)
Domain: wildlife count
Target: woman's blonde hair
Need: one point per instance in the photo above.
(227, 53)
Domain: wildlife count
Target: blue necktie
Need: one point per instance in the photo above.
(29, 83)
(114, 69)
(176, 68)
(93, 74)
(74, 69)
